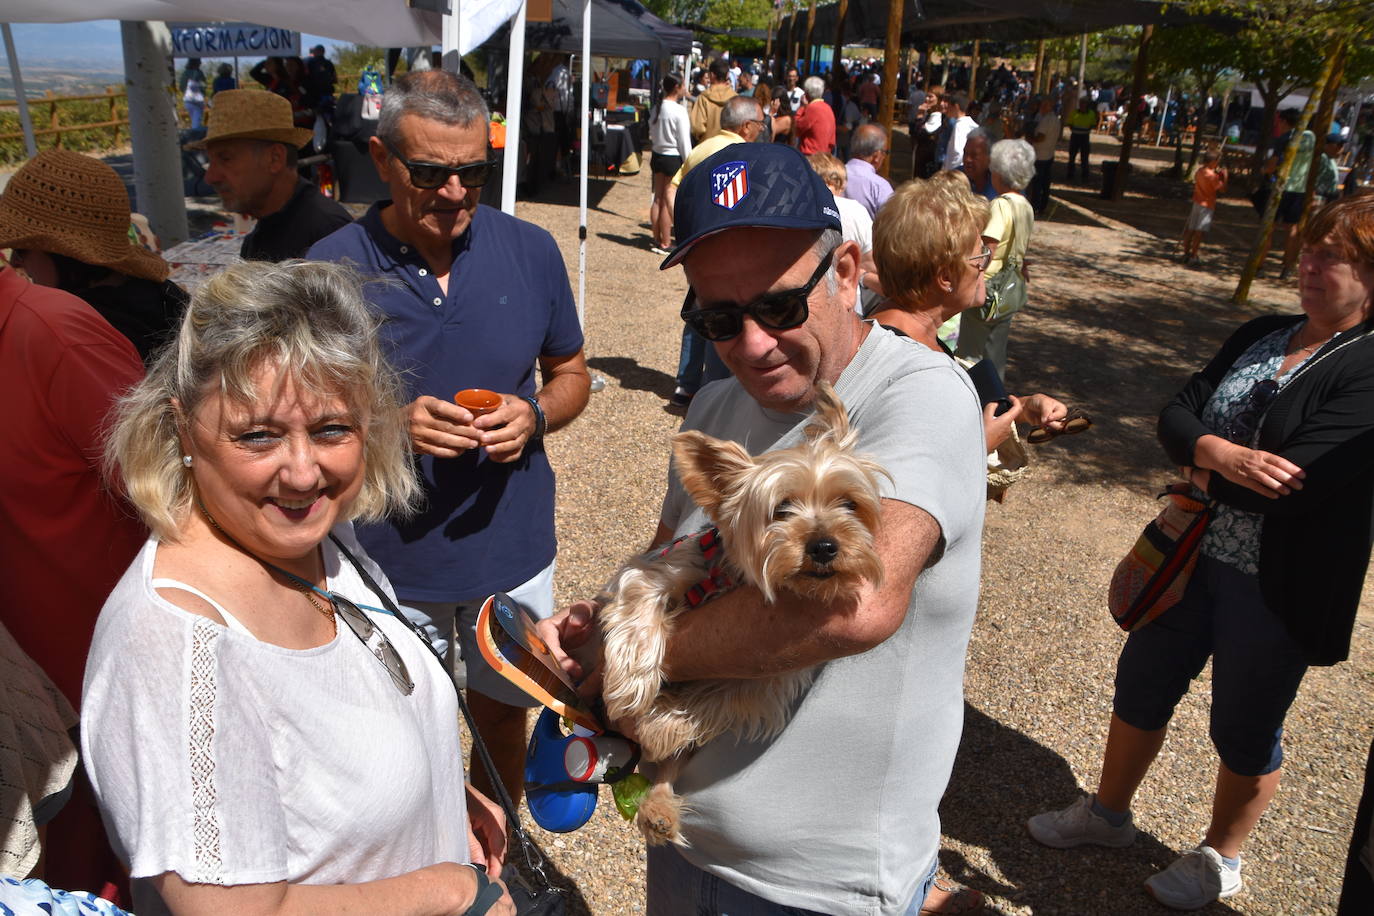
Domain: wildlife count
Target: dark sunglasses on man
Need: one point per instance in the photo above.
(778, 311)
(427, 176)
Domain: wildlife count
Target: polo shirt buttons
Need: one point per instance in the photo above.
(423, 272)
(405, 249)
(438, 301)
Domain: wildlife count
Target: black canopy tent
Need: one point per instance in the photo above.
(988, 20)
(620, 28)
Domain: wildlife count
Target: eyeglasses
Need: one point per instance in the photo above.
(779, 311)
(375, 640)
(980, 262)
(428, 176)
(1242, 426)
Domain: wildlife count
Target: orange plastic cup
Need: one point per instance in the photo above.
(477, 401)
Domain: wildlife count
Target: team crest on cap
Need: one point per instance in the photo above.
(729, 184)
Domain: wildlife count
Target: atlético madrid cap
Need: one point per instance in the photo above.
(750, 184)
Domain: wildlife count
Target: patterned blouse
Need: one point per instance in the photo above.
(1233, 537)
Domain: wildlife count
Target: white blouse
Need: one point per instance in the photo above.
(670, 130)
(233, 761)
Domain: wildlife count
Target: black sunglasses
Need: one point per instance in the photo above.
(430, 175)
(1242, 428)
(375, 640)
(784, 309)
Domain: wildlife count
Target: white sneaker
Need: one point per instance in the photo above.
(1077, 825)
(1195, 880)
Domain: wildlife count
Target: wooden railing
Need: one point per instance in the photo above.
(112, 122)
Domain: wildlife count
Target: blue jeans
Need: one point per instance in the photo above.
(676, 887)
(1256, 667)
(698, 362)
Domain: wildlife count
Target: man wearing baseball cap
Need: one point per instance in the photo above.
(837, 813)
(252, 144)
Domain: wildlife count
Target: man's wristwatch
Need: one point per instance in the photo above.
(541, 425)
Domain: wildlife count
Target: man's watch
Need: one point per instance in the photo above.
(541, 424)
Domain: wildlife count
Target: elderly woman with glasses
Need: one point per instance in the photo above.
(1277, 431)
(930, 252)
(262, 737)
(983, 332)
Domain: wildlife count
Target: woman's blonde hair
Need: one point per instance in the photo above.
(306, 318)
(831, 170)
(925, 228)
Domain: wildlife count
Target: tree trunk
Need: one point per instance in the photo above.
(1321, 126)
(1266, 231)
(973, 71)
(839, 36)
(1203, 91)
(892, 49)
(1142, 60)
(810, 26)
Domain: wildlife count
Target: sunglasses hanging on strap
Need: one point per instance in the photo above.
(545, 900)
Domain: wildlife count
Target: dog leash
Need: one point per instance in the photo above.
(533, 858)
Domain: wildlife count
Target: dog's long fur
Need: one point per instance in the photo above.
(768, 510)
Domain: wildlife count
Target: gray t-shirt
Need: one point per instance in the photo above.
(838, 813)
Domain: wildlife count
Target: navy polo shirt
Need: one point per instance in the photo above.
(484, 526)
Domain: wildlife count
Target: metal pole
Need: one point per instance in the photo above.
(25, 122)
(515, 86)
(453, 42)
(1164, 113)
(158, 190)
(586, 136)
(1082, 62)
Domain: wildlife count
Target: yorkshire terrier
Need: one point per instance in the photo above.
(802, 519)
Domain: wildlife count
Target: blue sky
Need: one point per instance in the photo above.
(93, 44)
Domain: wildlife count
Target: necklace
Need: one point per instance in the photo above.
(300, 586)
(1311, 347)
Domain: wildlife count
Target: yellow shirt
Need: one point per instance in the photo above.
(1010, 225)
(703, 150)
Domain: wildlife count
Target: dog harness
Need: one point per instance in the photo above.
(716, 581)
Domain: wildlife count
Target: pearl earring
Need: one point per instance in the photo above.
(186, 461)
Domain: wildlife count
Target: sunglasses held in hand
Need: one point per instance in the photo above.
(1074, 422)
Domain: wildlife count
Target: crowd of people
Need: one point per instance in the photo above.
(216, 499)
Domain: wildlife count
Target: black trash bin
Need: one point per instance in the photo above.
(1109, 167)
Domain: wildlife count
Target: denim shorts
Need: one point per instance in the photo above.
(1256, 667)
(676, 887)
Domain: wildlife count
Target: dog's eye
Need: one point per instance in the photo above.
(782, 510)
(849, 505)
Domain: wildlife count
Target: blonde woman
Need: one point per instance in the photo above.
(261, 738)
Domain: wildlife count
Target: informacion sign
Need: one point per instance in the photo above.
(232, 39)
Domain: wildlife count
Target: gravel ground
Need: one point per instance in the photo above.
(1114, 327)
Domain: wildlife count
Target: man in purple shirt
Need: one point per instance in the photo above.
(867, 150)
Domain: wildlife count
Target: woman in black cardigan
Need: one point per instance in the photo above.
(1279, 431)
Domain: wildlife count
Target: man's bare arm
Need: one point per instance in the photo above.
(738, 636)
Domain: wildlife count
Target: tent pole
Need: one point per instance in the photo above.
(25, 122)
(1082, 61)
(453, 42)
(515, 86)
(582, 151)
(158, 190)
(1164, 113)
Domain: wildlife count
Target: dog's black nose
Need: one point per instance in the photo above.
(822, 551)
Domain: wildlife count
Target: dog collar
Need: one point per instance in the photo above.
(716, 581)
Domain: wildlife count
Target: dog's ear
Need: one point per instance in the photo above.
(708, 467)
(830, 418)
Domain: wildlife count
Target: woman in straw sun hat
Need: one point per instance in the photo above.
(66, 218)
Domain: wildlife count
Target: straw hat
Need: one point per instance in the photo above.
(65, 203)
(252, 114)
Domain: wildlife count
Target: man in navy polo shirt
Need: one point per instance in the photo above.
(477, 298)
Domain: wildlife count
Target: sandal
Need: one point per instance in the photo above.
(1075, 421)
(960, 900)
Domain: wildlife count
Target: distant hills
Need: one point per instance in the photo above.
(74, 58)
